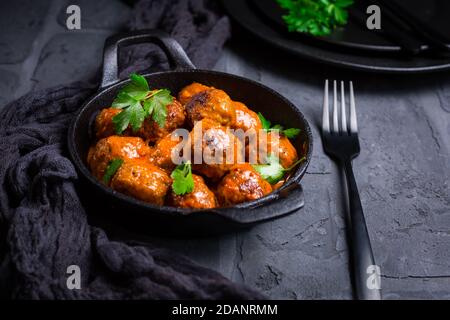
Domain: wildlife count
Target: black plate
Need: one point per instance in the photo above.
(170, 220)
(351, 36)
(245, 14)
(355, 34)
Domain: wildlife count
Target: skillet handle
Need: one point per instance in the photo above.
(282, 203)
(177, 57)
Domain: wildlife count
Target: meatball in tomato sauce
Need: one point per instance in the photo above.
(211, 104)
(142, 180)
(200, 198)
(246, 119)
(104, 126)
(275, 143)
(113, 147)
(219, 148)
(189, 91)
(152, 132)
(164, 152)
(242, 184)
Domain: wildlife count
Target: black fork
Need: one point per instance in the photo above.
(341, 143)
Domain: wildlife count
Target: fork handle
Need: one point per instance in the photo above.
(366, 272)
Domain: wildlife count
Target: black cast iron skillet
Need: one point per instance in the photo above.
(145, 216)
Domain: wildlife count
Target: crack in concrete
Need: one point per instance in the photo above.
(312, 227)
(433, 134)
(428, 123)
(277, 276)
(240, 254)
(441, 98)
(439, 232)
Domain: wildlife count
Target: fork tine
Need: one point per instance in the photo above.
(325, 114)
(353, 122)
(335, 109)
(343, 113)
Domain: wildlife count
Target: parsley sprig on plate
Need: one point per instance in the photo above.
(267, 125)
(183, 182)
(316, 17)
(273, 171)
(138, 102)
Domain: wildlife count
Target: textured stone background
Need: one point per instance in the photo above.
(403, 171)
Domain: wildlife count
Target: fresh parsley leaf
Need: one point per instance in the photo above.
(122, 120)
(264, 122)
(122, 100)
(137, 88)
(277, 127)
(266, 125)
(183, 182)
(273, 171)
(291, 132)
(138, 102)
(139, 82)
(318, 18)
(134, 115)
(111, 170)
(137, 115)
(157, 106)
(159, 115)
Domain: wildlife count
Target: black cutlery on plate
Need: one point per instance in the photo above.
(396, 12)
(391, 30)
(340, 142)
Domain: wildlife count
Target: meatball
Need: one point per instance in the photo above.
(142, 180)
(187, 92)
(104, 127)
(219, 149)
(211, 104)
(200, 198)
(114, 147)
(242, 184)
(245, 118)
(281, 147)
(161, 154)
(176, 116)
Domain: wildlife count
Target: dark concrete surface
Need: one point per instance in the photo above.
(403, 171)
